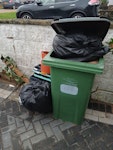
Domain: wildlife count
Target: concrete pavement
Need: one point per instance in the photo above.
(21, 131)
(7, 10)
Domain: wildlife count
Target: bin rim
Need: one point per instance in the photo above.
(74, 65)
(80, 19)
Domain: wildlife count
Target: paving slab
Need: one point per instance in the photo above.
(19, 131)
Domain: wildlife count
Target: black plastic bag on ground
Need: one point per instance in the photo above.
(78, 47)
(36, 96)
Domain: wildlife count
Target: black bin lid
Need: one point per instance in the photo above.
(86, 25)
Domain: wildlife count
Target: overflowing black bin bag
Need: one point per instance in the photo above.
(36, 96)
(78, 47)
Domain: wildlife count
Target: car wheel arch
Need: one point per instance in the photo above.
(26, 12)
(78, 12)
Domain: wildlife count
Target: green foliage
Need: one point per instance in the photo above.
(10, 60)
(11, 74)
(103, 4)
(111, 41)
(110, 44)
(9, 71)
(9, 15)
(104, 1)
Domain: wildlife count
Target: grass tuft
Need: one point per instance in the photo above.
(8, 15)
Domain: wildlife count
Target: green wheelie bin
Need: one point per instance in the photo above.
(71, 81)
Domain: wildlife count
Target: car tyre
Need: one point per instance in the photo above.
(26, 16)
(77, 15)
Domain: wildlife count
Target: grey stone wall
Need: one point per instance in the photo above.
(24, 43)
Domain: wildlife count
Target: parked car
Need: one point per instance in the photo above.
(11, 4)
(56, 9)
(28, 1)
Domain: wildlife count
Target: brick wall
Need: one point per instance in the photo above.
(24, 43)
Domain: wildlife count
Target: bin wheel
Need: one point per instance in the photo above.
(77, 15)
(26, 16)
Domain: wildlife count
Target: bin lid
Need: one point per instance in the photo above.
(86, 25)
